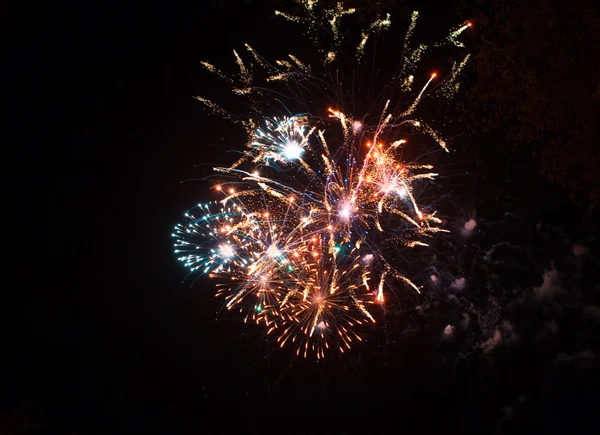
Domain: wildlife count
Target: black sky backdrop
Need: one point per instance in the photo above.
(101, 336)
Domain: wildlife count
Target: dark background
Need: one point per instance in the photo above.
(100, 334)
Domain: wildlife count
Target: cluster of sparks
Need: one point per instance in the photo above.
(295, 240)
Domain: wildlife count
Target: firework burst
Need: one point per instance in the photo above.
(294, 241)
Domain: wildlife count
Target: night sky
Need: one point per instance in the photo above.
(105, 150)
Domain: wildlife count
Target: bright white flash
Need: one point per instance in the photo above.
(273, 251)
(388, 187)
(345, 211)
(292, 150)
(226, 251)
(401, 192)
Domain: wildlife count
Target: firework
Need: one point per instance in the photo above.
(295, 240)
